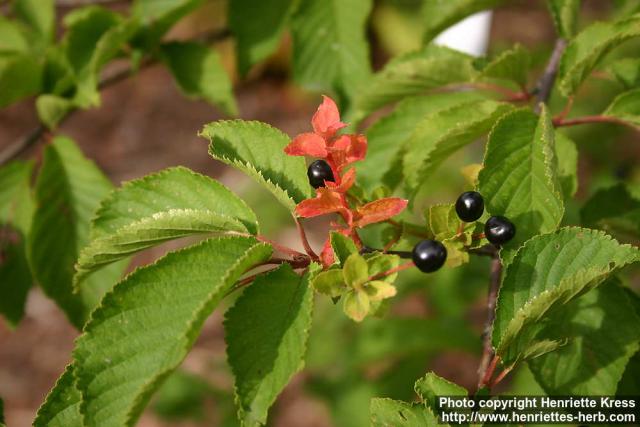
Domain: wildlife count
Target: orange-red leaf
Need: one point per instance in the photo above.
(327, 201)
(346, 182)
(347, 149)
(379, 210)
(307, 144)
(326, 121)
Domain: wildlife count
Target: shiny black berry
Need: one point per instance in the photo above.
(499, 230)
(319, 172)
(469, 206)
(429, 255)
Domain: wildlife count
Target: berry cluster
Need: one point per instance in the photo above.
(430, 255)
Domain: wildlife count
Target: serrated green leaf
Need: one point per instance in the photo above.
(565, 16)
(431, 386)
(52, 109)
(330, 48)
(389, 412)
(567, 155)
(12, 38)
(157, 17)
(626, 107)
(330, 283)
(440, 134)
(615, 210)
(413, 74)
(342, 246)
(602, 329)
(355, 270)
(356, 305)
(380, 263)
(439, 15)
(587, 49)
(20, 77)
(67, 192)
(146, 325)
(512, 64)
(442, 220)
(61, 408)
(257, 149)
(39, 15)
(266, 333)
(626, 71)
(16, 209)
(199, 73)
(258, 28)
(519, 179)
(548, 272)
(170, 204)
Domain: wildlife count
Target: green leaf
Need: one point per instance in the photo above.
(146, 325)
(565, 16)
(355, 270)
(520, 175)
(603, 333)
(157, 17)
(356, 305)
(587, 49)
(615, 210)
(258, 28)
(431, 386)
(52, 109)
(413, 74)
(39, 15)
(199, 73)
(330, 49)
(629, 384)
(547, 273)
(389, 412)
(343, 246)
(512, 64)
(12, 38)
(62, 405)
(380, 263)
(330, 283)
(626, 71)
(440, 134)
(443, 220)
(68, 191)
(567, 154)
(257, 149)
(386, 136)
(626, 107)
(439, 15)
(20, 77)
(170, 204)
(16, 209)
(266, 333)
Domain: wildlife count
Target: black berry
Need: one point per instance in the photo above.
(469, 206)
(499, 230)
(429, 255)
(319, 172)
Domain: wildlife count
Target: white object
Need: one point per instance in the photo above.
(471, 35)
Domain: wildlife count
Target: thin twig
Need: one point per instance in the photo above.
(501, 376)
(561, 122)
(401, 254)
(487, 250)
(389, 272)
(303, 237)
(487, 348)
(545, 84)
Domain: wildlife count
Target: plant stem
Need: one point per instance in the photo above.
(487, 348)
(560, 121)
(545, 84)
(389, 272)
(401, 254)
(303, 237)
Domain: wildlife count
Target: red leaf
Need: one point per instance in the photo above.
(326, 256)
(326, 121)
(379, 210)
(327, 201)
(307, 144)
(348, 149)
(346, 182)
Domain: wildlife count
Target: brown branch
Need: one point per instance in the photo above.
(545, 84)
(487, 349)
(560, 122)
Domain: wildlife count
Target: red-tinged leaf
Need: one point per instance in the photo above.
(379, 210)
(327, 201)
(348, 149)
(326, 121)
(327, 257)
(346, 182)
(307, 144)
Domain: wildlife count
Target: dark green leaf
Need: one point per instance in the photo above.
(20, 77)
(62, 406)
(626, 71)
(614, 210)
(567, 154)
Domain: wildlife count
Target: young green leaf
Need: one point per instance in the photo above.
(16, 209)
(12, 38)
(330, 48)
(61, 408)
(626, 71)
(520, 175)
(68, 191)
(512, 64)
(258, 28)
(588, 48)
(603, 336)
(258, 150)
(146, 325)
(266, 333)
(342, 246)
(626, 107)
(439, 15)
(389, 412)
(39, 15)
(171, 204)
(431, 386)
(440, 134)
(565, 16)
(199, 73)
(157, 17)
(355, 270)
(548, 272)
(20, 77)
(615, 210)
(52, 109)
(330, 283)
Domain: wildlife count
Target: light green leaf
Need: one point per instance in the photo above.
(356, 305)
(12, 38)
(588, 48)
(626, 107)
(547, 273)
(157, 17)
(520, 175)
(615, 210)
(603, 333)
(52, 109)
(389, 412)
(257, 149)
(62, 405)
(330, 283)
(20, 77)
(355, 270)
(440, 134)
(378, 290)
(258, 28)
(147, 324)
(68, 191)
(330, 48)
(565, 16)
(512, 64)
(431, 386)
(16, 209)
(170, 204)
(439, 15)
(342, 246)
(443, 221)
(266, 333)
(567, 154)
(199, 73)
(380, 263)
(626, 71)
(413, 74)
(39, 15)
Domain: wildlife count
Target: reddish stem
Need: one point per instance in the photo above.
(559, 121)
(305, 241)
(501, 376)
(489, 372)
(281, 248)
(389, 272)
